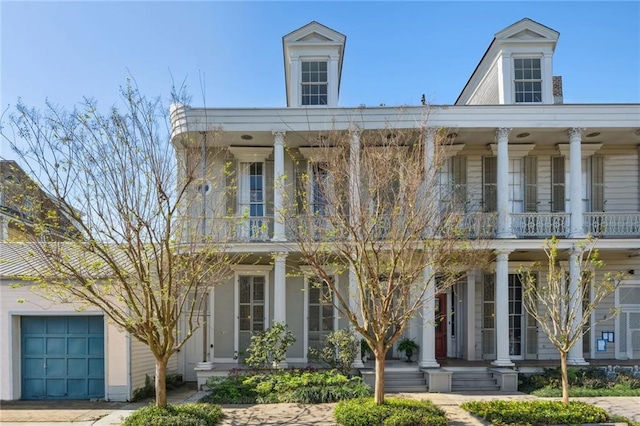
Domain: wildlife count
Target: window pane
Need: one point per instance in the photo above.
(314, 318)
(314, 294)
(258, 313)
(245, 290)
(305, 66)
(258, 292)
(322, 66)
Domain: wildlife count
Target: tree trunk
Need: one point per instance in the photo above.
(565, 377)
(379, 389)
(161, 382)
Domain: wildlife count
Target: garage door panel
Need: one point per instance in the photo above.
(76, 367)
(76, 345)
(33, 345)
(96, 345)
(56, 345)
(57, 325)
(63, 357)
(34, 367)
(56, 367)
(34, 389)
(56, 388)
(96, 388)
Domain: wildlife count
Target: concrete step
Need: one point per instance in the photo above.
(406, 389)
(404, 381)
(473, 381)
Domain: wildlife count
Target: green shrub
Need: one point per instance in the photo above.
(269, 348)
(339, 350)
(536, 412)
(394, 411)
(297, 386)
(197, 414)
(230, 390)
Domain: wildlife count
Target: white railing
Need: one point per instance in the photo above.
(609, 224)
(248, 229)
(470, 225)
(540, 225)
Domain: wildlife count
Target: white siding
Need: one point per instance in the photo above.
(620, 179)
(487, 91)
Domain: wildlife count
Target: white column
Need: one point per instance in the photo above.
(280, 292)
(576, 356)
(471, 315)
(575, 182)
(430, 175)
(278, 187)
(502, 310)
(354, 302)
(428, 350)
(504, 212)
(354, 176)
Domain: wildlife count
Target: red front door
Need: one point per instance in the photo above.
(441, 325)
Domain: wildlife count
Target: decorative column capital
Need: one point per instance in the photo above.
(279, 256)
(278, 137)
(575, 133)
(502, 133)
(502, 255)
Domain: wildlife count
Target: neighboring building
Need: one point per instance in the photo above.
(53, 350)
(23, 205)
(538, 166)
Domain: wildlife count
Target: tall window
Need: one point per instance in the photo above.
(557, 184)
(314, 82)
(490, 184)
(528, 80)
(319, 186)
(453, 183)
(320, 311)
(530, 184)
(252, 200)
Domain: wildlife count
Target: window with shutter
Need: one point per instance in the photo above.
(597, 183)
(515, 185)
(459, 174)
(557, 184)
(530, 184)
(490, 184)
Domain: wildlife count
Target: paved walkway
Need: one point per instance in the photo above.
(82, 413)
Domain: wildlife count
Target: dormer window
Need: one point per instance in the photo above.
(314, 83)
(528, 80)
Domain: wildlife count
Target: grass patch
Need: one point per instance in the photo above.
(196, 414)
(297, 386)
(536, 412)
(394, 411)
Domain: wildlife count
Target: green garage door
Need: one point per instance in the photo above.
(62, 357)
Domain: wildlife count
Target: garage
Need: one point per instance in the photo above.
(62, 357)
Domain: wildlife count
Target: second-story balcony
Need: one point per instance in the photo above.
(471, 225)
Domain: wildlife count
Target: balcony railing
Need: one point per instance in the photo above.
(540, 225)
(463, 225)
(248, 229)
(608, 224)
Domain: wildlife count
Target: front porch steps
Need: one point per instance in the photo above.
(407, 381)
(464, 381)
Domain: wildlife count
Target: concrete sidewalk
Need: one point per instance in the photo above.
(82, 413)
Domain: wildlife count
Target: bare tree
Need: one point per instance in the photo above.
(373, 204)
(144, 254)
(562, 310)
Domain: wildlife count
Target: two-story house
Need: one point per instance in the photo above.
(536, 166)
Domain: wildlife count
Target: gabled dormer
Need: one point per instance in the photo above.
(517, 68)
(313, 65)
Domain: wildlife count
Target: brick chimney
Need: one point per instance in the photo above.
(557, 90)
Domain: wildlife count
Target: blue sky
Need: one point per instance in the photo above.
(395, 51)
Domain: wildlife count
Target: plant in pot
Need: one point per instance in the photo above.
(408, 346)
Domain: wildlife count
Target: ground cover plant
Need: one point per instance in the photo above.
(394, 411)
(500, 412)
(297, 386)
(194, 414)
(582, 382)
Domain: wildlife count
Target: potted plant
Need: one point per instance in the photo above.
(408, 346)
